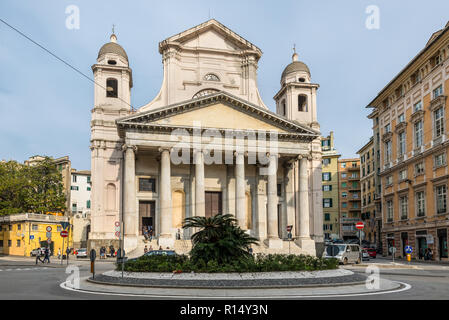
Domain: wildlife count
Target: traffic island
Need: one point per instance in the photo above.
(273, 285)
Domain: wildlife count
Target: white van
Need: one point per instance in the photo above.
(344, 253)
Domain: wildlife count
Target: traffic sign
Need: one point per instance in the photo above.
(289, 228)
(117, 234)
(93, 255)
(360, 225)
(64, 225)
(48, 229)
(31, 237)
(408, 249)
(64, 233)
(48, 234)
(117, 223)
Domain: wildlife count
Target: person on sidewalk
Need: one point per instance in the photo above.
(38, 256)
(145, 233)
(47, 256)
(145, 250)
(59, 253)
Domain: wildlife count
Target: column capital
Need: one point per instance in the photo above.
(162, 149)
(305, 156)
(129, 146)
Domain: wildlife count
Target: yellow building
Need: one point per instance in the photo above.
(21, 233)
(331, 221)
(368, 191)
(410, 120)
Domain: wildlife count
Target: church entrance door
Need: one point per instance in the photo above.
(147, 211)
(213, 203)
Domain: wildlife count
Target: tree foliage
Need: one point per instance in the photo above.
(219, 238)
(36, 189)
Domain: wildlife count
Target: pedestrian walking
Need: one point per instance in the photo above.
(145, 250)
(145, 233)
(59, 253)
(46, 256)
(150, 233)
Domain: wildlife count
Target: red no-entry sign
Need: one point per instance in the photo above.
(360, 225)
(64, 233)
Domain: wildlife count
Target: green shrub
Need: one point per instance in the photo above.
(258, 263)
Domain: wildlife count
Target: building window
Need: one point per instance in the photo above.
(403, 202)
(204, 93)
(18, 243)
(343, 165)
(9, 243)
(355, 185)
(401, 118)
(74, 188)
(420, 204)
(88, 204)
(402, 174)
(19, 227)
(302, 103)
(147, 184)
(388, 152)
(438, 122)
(74, 207)
(419, 168)
(326, 162)
(441, 199)
(390, 210)
(211, 77)
(327, 188)
(327, 217)
(279, 189)
(327, 203)
(401, 143)
(326, 176)
(344, 175)
(344, 204)
(34, 227)
(74, 178)
(89, 188)
(387, 128)
(418, 134)
(111, 88)
(438, 92)
(417, 106)
(344, 194)
(440, 160)
(389, 180)
(88, 179)
(1, 243)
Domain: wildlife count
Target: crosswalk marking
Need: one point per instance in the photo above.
(24, 269)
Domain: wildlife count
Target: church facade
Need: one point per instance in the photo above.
(205, 145)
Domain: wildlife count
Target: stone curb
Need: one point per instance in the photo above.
(256, 286)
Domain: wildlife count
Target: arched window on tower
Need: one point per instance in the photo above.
(302, 103)
(283, 108)
(111, 88)
(211, 77)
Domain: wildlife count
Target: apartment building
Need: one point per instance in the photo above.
(331, 220)
(349, 197)
(368, 174)
(81, 187)
(410, 141)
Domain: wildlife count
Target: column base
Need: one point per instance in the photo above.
(274, 243)
(130, 244)
(166, 241)
(307, 245)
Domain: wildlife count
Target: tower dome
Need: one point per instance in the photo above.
(297, 67)
(112, 47)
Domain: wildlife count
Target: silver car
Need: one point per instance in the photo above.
(344, 253)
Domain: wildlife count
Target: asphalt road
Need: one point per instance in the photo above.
(22, 279)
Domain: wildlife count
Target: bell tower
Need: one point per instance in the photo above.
(296, 100)
(112, 100)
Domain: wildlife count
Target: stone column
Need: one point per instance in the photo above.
(240, 198)
(305, 242)
(130, 212)
(200, 201)
(273, 233)
(166, 237)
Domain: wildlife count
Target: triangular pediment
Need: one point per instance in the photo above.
(212, 35)
(217, 111)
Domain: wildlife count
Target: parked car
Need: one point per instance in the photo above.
(365, 255)
(344, 253)
(81, 253)
(160, 253)
(372, 252)
(37, 251)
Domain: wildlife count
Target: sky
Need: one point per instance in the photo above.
(45, 106)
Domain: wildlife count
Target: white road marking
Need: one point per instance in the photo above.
(406, 287)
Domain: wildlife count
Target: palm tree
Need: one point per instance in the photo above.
(219, 239)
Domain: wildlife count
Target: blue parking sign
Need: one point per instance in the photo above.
(408, 249)
(31, 237)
